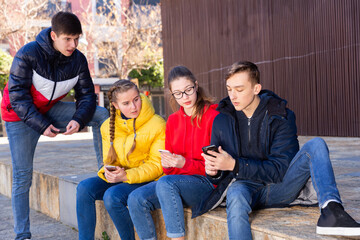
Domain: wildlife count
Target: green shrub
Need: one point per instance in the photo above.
(105, 236)
(5, 64)
(152, 76)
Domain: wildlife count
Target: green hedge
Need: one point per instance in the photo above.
(5, 64)
(152, 76)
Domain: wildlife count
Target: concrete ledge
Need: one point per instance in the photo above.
(44, 192)
(44, 195)
(67, 195)
(5, 179)
(204, 227)
(54, 187)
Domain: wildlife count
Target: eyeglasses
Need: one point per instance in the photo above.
(189, 91)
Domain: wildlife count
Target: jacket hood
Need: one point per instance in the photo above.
(46, 43)
(146, 112)
(272, 102)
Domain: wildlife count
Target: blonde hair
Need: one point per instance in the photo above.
(120, 86)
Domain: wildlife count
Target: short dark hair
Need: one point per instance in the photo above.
(244, 66)
(66, 23)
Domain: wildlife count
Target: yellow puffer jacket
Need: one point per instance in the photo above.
(144, 163)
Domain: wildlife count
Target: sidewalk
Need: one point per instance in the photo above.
(64, 157)
(59, 156)
(54, 156)
(42, 226)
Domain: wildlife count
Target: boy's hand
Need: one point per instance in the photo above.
(72, 127)
(48, 131)
(222, 161)
(209, 171)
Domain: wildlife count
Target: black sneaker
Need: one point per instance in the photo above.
(335, 221)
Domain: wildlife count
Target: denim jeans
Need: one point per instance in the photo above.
(172, 192)
(114, 195)
(23, 141)
(61, 113)
(311, 161)
(141, 202)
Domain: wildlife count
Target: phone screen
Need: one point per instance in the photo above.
(210, 148)
(110, 168)
(164, 151)
(61, 130)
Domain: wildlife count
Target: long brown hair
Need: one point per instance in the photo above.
(202, 99)
(120, 86)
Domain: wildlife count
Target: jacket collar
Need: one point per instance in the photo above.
(275, 105)
(46, 43)
(146, 112)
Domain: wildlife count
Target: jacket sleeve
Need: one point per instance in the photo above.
(20, 82)
(194, 167)
(216, 140)
(151, 169)
(84, 95)
(105, 146)
(283, 147)
(168, 146)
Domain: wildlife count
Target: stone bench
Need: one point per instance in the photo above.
(56, 176)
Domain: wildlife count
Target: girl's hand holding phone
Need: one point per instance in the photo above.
(169, 160)
(115, 176)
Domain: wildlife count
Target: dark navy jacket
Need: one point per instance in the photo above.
(277, 144)
(40, 76)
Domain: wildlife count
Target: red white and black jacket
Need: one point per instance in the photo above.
(40, 76)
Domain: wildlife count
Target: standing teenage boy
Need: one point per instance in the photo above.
(42, 73)
(259, 162)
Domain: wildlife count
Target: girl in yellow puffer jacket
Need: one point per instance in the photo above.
(131, 139)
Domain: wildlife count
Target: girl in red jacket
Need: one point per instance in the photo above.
(187, 131)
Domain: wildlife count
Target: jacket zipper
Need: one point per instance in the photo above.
(125, 142)
(124, 147)
(185, 130)
(55, 81)
(266, 129)
(249, 119)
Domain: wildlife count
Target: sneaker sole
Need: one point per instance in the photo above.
(340, 231)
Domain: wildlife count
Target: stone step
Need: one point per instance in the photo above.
(60, 165)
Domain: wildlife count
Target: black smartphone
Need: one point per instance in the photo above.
(211, 148)
(61, 130)
(110, 168)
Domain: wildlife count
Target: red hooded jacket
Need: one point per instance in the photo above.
(187, 139)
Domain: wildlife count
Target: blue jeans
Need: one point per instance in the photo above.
(23, 141)
(114, 195)
(311, 161)
(172, 192)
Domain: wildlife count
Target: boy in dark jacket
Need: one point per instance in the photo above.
(259, 162)
(42, 73)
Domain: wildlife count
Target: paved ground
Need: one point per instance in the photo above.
(42, 226)
(60, 156)
(71, 155)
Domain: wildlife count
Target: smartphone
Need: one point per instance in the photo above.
(210, 148)
(164, 151)
(110, 168)
(61, 130)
